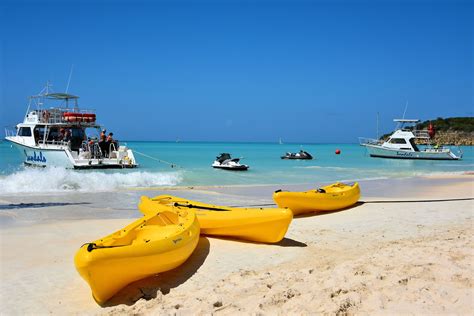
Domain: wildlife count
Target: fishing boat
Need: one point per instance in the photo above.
(225, 161)
(153, 244)
(332, 197)
(402, 144)
(266, 225)
(54, 134)
(303, 155)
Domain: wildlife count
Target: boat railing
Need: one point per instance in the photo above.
(421, 134)
(47, 143)
(112, 147)
(369, 141)
(436, 149)
(94, 150)
(458, 152)
(59, 115)
(10, 131)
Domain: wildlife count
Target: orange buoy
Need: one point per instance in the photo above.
(338, 151)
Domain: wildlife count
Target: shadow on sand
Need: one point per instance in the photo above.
(288, 242)
(321, 213)
(37, 205)
(162, 283)
(285, 242)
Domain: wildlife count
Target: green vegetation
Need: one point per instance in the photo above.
(452, 124)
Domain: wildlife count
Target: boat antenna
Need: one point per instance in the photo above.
(69, 79)
(400, 124)
(47, 87)
(404, 112)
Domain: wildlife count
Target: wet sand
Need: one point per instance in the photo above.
(386, 257)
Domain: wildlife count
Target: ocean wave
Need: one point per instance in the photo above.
(47, 180)
(324, 167)
(466, 165)
(348, 180)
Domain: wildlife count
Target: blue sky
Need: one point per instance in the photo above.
(306, 71)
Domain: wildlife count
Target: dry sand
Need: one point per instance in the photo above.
(377, 258)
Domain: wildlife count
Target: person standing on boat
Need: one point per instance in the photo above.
(110, 141)
(62, 134)
(67, 135)
(103, 143)
(90, 143)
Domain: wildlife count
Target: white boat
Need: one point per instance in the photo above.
(56, 136)
(401, 144)
(225, 161)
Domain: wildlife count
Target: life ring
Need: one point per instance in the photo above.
(67, 117)
(72, 117)
(88, 117)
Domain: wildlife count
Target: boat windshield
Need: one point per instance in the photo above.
(222, 157)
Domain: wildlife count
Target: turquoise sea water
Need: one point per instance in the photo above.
(194, 167)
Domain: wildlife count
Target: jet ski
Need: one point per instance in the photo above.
(225, 161)
(301, 155)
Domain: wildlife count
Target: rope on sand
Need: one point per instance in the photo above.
(381, 201)
(419, 201)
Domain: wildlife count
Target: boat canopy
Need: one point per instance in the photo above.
(60, 96)
(406, 120)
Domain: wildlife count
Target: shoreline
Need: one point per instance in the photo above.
(371, 258)
(456, 175)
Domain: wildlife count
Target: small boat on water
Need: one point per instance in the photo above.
(402, 145)
(299, 155)
(267, 225)
(225, 161)
(158, 242)
(57, 136)
(328, 198)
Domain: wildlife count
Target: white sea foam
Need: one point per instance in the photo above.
(32, 180)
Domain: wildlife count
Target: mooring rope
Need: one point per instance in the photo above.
(419, 201)
(379, 201)
(172, 165)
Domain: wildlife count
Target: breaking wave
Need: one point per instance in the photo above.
(49, 180)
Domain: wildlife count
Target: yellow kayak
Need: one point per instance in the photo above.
(329, 198)
(268, 225)
(155, 243)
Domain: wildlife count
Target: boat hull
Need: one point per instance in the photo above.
(296, 158)
(335, 197)
(380, 152)
(238, 168)
(61, 157)
(44, 157)
(266, 225)
(150, 245)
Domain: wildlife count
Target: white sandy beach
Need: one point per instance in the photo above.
(378, 258)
